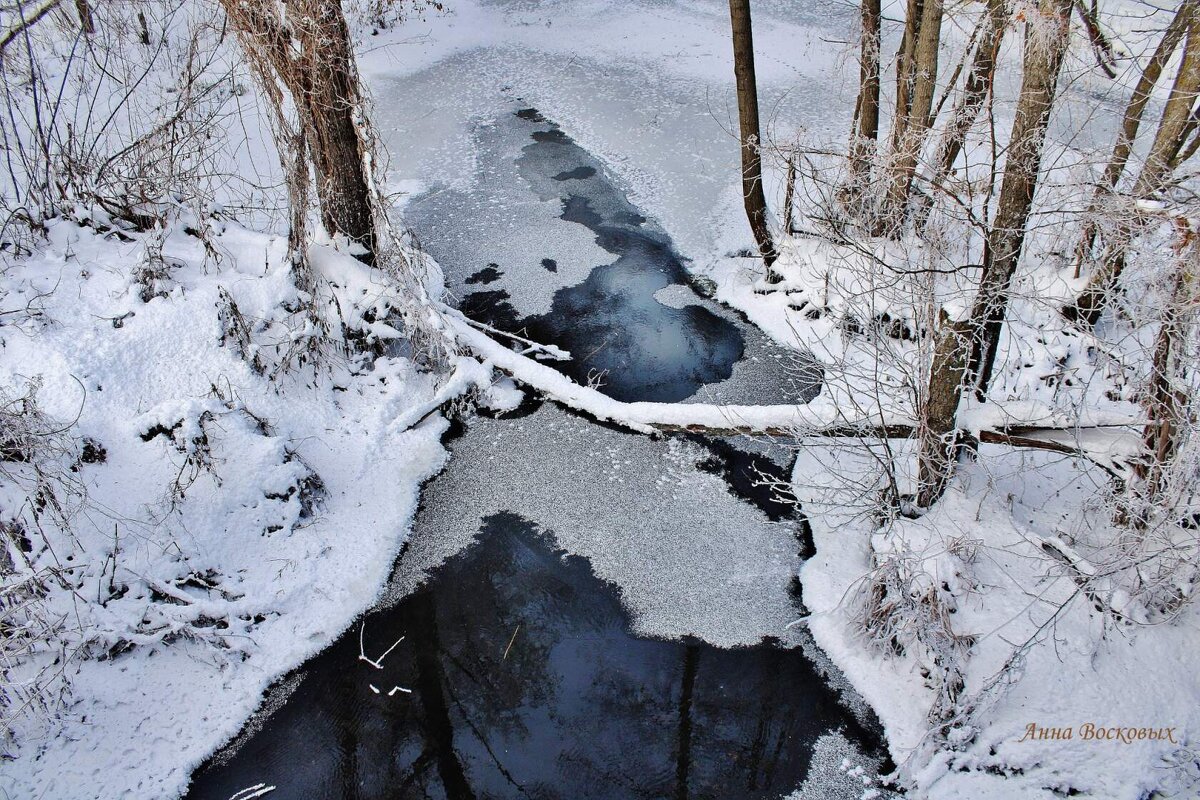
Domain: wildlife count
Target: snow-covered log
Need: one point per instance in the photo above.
(1106, 439)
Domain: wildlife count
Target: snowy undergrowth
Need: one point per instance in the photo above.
(1044, 650)
(1016, 600)
(214, 526)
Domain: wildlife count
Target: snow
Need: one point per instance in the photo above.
(287, 579)
(290, 582)
(1131, 678)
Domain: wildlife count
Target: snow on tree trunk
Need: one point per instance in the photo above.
(968, 345)
(1161, 161)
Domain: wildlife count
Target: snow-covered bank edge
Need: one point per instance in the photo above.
(233, 525)
(1037, 655)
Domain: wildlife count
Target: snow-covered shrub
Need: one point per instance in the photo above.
(118, 125)
(39, 493)
(72, 588)
(908, 602)
(372, 16)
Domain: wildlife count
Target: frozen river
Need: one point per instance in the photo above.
(581, 612)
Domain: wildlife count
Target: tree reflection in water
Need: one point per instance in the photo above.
(527, 681)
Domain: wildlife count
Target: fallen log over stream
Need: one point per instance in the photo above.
(1107, 440)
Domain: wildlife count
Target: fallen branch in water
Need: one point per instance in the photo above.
(1103, 439)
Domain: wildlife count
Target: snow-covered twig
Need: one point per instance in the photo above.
(362, 652)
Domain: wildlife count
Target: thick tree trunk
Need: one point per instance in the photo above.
(969, 345)
(751, 135)
(864, 136)
(332, 103)
(306, 44)
(911, 130)
(1160, 163)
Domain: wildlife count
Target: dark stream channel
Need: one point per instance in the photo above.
(521, 673)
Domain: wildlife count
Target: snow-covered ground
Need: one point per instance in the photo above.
(204, 500)
(647, 88)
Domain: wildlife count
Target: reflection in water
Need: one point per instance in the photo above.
(526, 682)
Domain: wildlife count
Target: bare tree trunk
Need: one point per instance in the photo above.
(1160, 163)
(864, 136)
(84, 9)
(969, 345)
(911, 130)
(789, 194)
(1166, 404)
(1177, 114)
(1133, 121)
(306, 44)
(751, 135)
(976, 88)
(1145, 86)
(904, 69)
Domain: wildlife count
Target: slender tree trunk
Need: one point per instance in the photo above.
(307, 46)
(969, 345)
(751, 135)
(1132, 122)
(977, 86)
(1177, 113)
(789, 194)
(912, 130)
(1165, 403)
(904, 69)
(864, 136)
(1160, 164)
(1141, 93)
